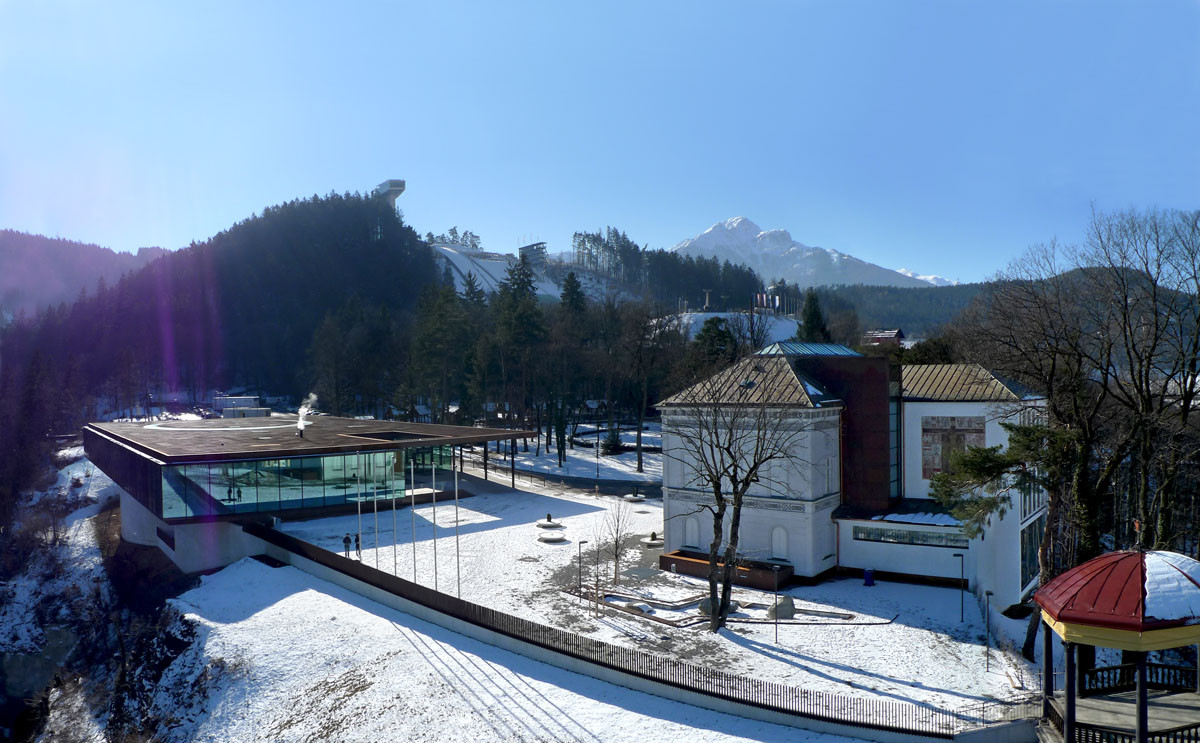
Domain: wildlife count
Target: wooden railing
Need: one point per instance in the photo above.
(1110, 679)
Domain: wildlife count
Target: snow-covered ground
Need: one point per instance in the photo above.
(896, 635)
(73, 568)
(288, 657)
(583, 462)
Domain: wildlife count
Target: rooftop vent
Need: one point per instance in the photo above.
(747, 383)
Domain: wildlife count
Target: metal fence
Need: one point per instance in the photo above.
(902, 717)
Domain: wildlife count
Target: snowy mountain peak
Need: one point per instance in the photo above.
(774, 254)
(737, 224)
(933, 279)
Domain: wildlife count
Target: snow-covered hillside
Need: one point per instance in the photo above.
(929, 278)
(779, 327)
(774, 254)
(489, 268)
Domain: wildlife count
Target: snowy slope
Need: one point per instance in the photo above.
(283, 656)
(774, 254)
(489, 268)
(933, 279)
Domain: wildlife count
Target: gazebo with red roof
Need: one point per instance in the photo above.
(1136, 602)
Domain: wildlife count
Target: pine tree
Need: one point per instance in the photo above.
(574, 303)
(473, 296)
(813, 328)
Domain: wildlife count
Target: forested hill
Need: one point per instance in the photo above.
(240, 308)
(37, 272)
(918, 311)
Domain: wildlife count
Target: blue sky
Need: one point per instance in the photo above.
(944, 137)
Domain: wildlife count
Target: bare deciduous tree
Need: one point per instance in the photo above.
(1109, 333)
(730, 432)
(614, 532)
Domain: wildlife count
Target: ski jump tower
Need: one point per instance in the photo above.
(390, 190)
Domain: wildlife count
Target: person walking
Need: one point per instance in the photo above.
(346, 543)
(357, 547)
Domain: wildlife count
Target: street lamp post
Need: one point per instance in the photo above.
(962, 586)
(775, 569)
(987, 623)
(580, 571)
(597, 443)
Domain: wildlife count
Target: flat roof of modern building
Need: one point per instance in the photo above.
(277, 437)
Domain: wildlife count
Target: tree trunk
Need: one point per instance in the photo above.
(641, 421)
(1031, 632)
(729, 570)
(715, 620)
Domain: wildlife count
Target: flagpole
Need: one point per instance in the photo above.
(433, 496)
(412, 491)
(375, 505)
(457, 554)
(395, 562)
(358, 502)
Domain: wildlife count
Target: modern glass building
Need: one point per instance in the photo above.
(203, 470)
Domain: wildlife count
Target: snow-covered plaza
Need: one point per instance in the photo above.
(292, 657)
(581, 461)
(893, 641)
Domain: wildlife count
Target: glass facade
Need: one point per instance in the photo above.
(266, 485)
(1031, 540)
(894, 438)
(911, 536)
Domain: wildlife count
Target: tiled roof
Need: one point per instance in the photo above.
(800, 348)
(757, 380)
(955, 382)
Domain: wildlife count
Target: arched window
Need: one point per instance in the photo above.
(691, 532)
(779, 546)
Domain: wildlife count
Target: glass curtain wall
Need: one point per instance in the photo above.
(269, 485)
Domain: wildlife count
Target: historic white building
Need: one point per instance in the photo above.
(853, 492)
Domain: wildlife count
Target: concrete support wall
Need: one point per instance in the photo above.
(193, 548)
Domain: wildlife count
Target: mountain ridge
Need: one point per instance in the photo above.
(774, 254)
(38, 272)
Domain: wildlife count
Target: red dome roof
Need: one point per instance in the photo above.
(1137, 591)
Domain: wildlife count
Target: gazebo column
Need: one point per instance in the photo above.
(1069, 693)
(1084, 663)
(1143, 705)
(1047, 668)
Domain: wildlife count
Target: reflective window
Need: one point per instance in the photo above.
(291, 483)
(174, 493)
(911, 536)
(1031, 540)
(269, 485)
(266, 481)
